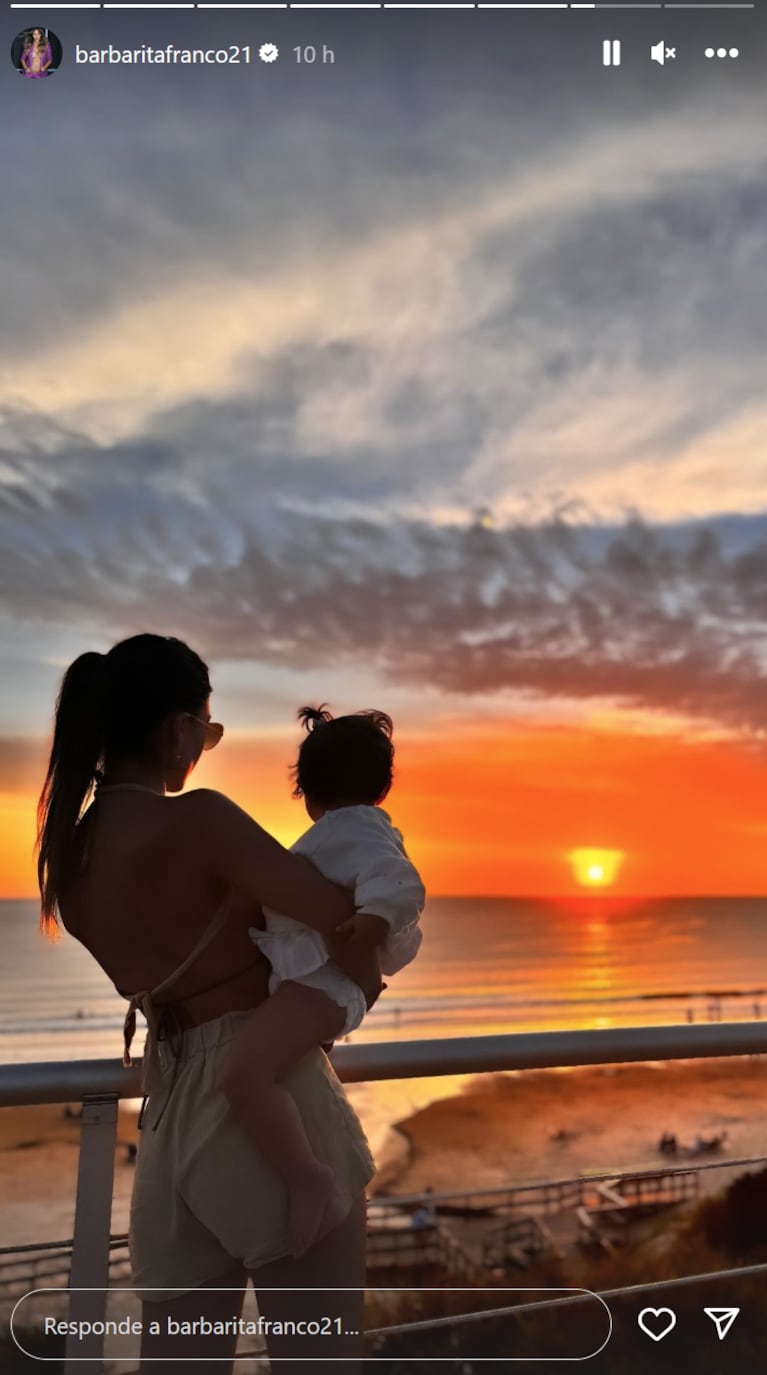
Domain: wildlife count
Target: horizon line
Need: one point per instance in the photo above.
(587, 895)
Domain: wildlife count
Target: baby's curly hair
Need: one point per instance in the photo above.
(344, 760)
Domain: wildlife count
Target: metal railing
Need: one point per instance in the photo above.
(74, 1080)
(98, 1084)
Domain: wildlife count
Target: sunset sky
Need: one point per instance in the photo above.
(403, 386)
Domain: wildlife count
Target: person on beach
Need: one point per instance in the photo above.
(163, 891)
(424, 1217)
(343, 773)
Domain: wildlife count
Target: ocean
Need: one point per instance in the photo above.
(486, 965)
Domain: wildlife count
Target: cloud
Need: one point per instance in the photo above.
(22, 765)
(606, 265)
(259, 420)
(661, 618)
(654, 621)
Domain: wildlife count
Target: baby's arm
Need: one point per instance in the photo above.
(388, 893)
(388, 886)
(364, 930)
(393, 891)
(400, 947)
(357, 851)
(397, 948)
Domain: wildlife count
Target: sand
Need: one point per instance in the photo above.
(495, 1132)
(38, 1173)
(498, 1131)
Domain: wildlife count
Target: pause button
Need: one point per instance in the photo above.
(611, 52)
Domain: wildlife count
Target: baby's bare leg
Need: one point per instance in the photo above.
(275, 1037)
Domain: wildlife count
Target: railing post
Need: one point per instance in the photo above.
(93, 1215)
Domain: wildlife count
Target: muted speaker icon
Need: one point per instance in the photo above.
(660, 53)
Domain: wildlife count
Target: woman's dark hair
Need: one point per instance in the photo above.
(344, 759)
(108, 709)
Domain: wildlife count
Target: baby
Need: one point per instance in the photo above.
(344, 771)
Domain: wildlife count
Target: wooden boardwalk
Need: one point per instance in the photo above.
(492, 1229)
(474, 1232)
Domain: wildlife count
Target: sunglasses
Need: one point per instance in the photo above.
(213, 731)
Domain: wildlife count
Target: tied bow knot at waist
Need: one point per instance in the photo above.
(162, 1026)
(144, 1002)
(167, 1021)
(140, 1002)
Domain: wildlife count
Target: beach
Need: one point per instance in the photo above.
(495, 1131)
(38, 1173)
(498, 1130)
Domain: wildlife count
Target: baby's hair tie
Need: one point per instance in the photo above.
(312, 718)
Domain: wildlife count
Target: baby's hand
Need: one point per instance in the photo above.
(363, 930)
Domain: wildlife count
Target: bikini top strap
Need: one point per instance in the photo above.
(144, 1000)
(217, 924)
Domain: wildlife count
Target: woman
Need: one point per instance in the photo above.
(161, 890)
(36, 56)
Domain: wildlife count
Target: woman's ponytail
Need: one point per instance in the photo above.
(78, 746)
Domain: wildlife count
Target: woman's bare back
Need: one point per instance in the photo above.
(141, 900)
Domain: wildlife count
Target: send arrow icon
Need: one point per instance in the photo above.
(723, 1318)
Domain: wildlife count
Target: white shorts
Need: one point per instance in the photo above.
(204, 1197)
(337, 985)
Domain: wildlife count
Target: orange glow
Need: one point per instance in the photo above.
(493, 808)
(18, 830)
(596, 868)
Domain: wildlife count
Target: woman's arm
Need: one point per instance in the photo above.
(242, 854)
(362, 965)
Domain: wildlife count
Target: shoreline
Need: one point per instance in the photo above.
(499, 1129)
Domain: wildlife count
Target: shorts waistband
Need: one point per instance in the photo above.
(167, 1054)
(206, 1036)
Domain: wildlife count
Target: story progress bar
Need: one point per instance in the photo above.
(481, 5)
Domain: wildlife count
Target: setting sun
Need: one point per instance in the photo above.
(596, 868)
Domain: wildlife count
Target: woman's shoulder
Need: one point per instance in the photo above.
(203, 816)
(202, 798)
(201, 804)
(214, 823)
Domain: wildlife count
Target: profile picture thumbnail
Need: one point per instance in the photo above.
(36, 53)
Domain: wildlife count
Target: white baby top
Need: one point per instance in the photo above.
(359, 848)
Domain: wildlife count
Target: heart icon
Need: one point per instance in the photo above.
(657, 1322)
